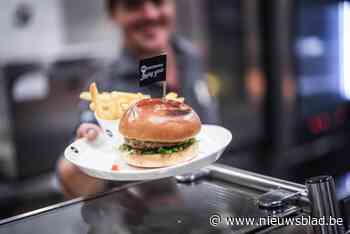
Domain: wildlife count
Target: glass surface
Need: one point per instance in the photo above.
(318, 54)
(162, 206)
(234, 60)
(228, 35)
(320, 62)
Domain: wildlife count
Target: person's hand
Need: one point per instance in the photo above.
(73, 181)
(88, 130)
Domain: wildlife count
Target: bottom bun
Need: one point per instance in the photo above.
(161, 160)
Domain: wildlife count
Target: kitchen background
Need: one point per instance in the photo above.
(279, 70)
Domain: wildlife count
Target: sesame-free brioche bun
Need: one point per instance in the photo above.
(159, 120)
(160, 160)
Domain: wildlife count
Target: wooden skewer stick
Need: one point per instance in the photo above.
(164, 89)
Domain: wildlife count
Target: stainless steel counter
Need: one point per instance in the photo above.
(160, 206)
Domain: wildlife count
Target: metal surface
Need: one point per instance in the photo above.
(61, 205)
(276, 199)
(189, 178)
(161, 206)
(254, 180)
(324, 204)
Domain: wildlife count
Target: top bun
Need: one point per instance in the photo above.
(158, 120)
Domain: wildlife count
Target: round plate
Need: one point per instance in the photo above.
(97, 158)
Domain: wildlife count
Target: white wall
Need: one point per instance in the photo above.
(58, 27)
(86, 24)
(42, 37)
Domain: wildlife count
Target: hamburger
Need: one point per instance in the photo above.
(159, 133)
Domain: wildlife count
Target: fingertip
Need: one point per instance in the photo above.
(91, 134)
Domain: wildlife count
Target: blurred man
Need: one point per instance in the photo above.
(147, 27)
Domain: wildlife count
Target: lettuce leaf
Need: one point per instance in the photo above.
(160, 150)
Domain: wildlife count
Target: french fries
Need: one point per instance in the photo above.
(173, 96)
(85, 96)
(112, 105)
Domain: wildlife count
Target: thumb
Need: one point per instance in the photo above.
(91, 134)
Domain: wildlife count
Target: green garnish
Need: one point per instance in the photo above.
(160, 150)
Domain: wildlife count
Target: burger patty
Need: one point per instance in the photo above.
(137, 144)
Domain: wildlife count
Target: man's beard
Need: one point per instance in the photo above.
(140, 24)
(140, 44)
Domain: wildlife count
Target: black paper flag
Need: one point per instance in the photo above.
(152, 70)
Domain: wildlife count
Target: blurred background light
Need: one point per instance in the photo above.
(345, 49)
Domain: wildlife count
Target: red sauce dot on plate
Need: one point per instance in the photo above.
(115, 167)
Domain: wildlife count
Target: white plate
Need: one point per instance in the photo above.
(96, 158)
(110, 128)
